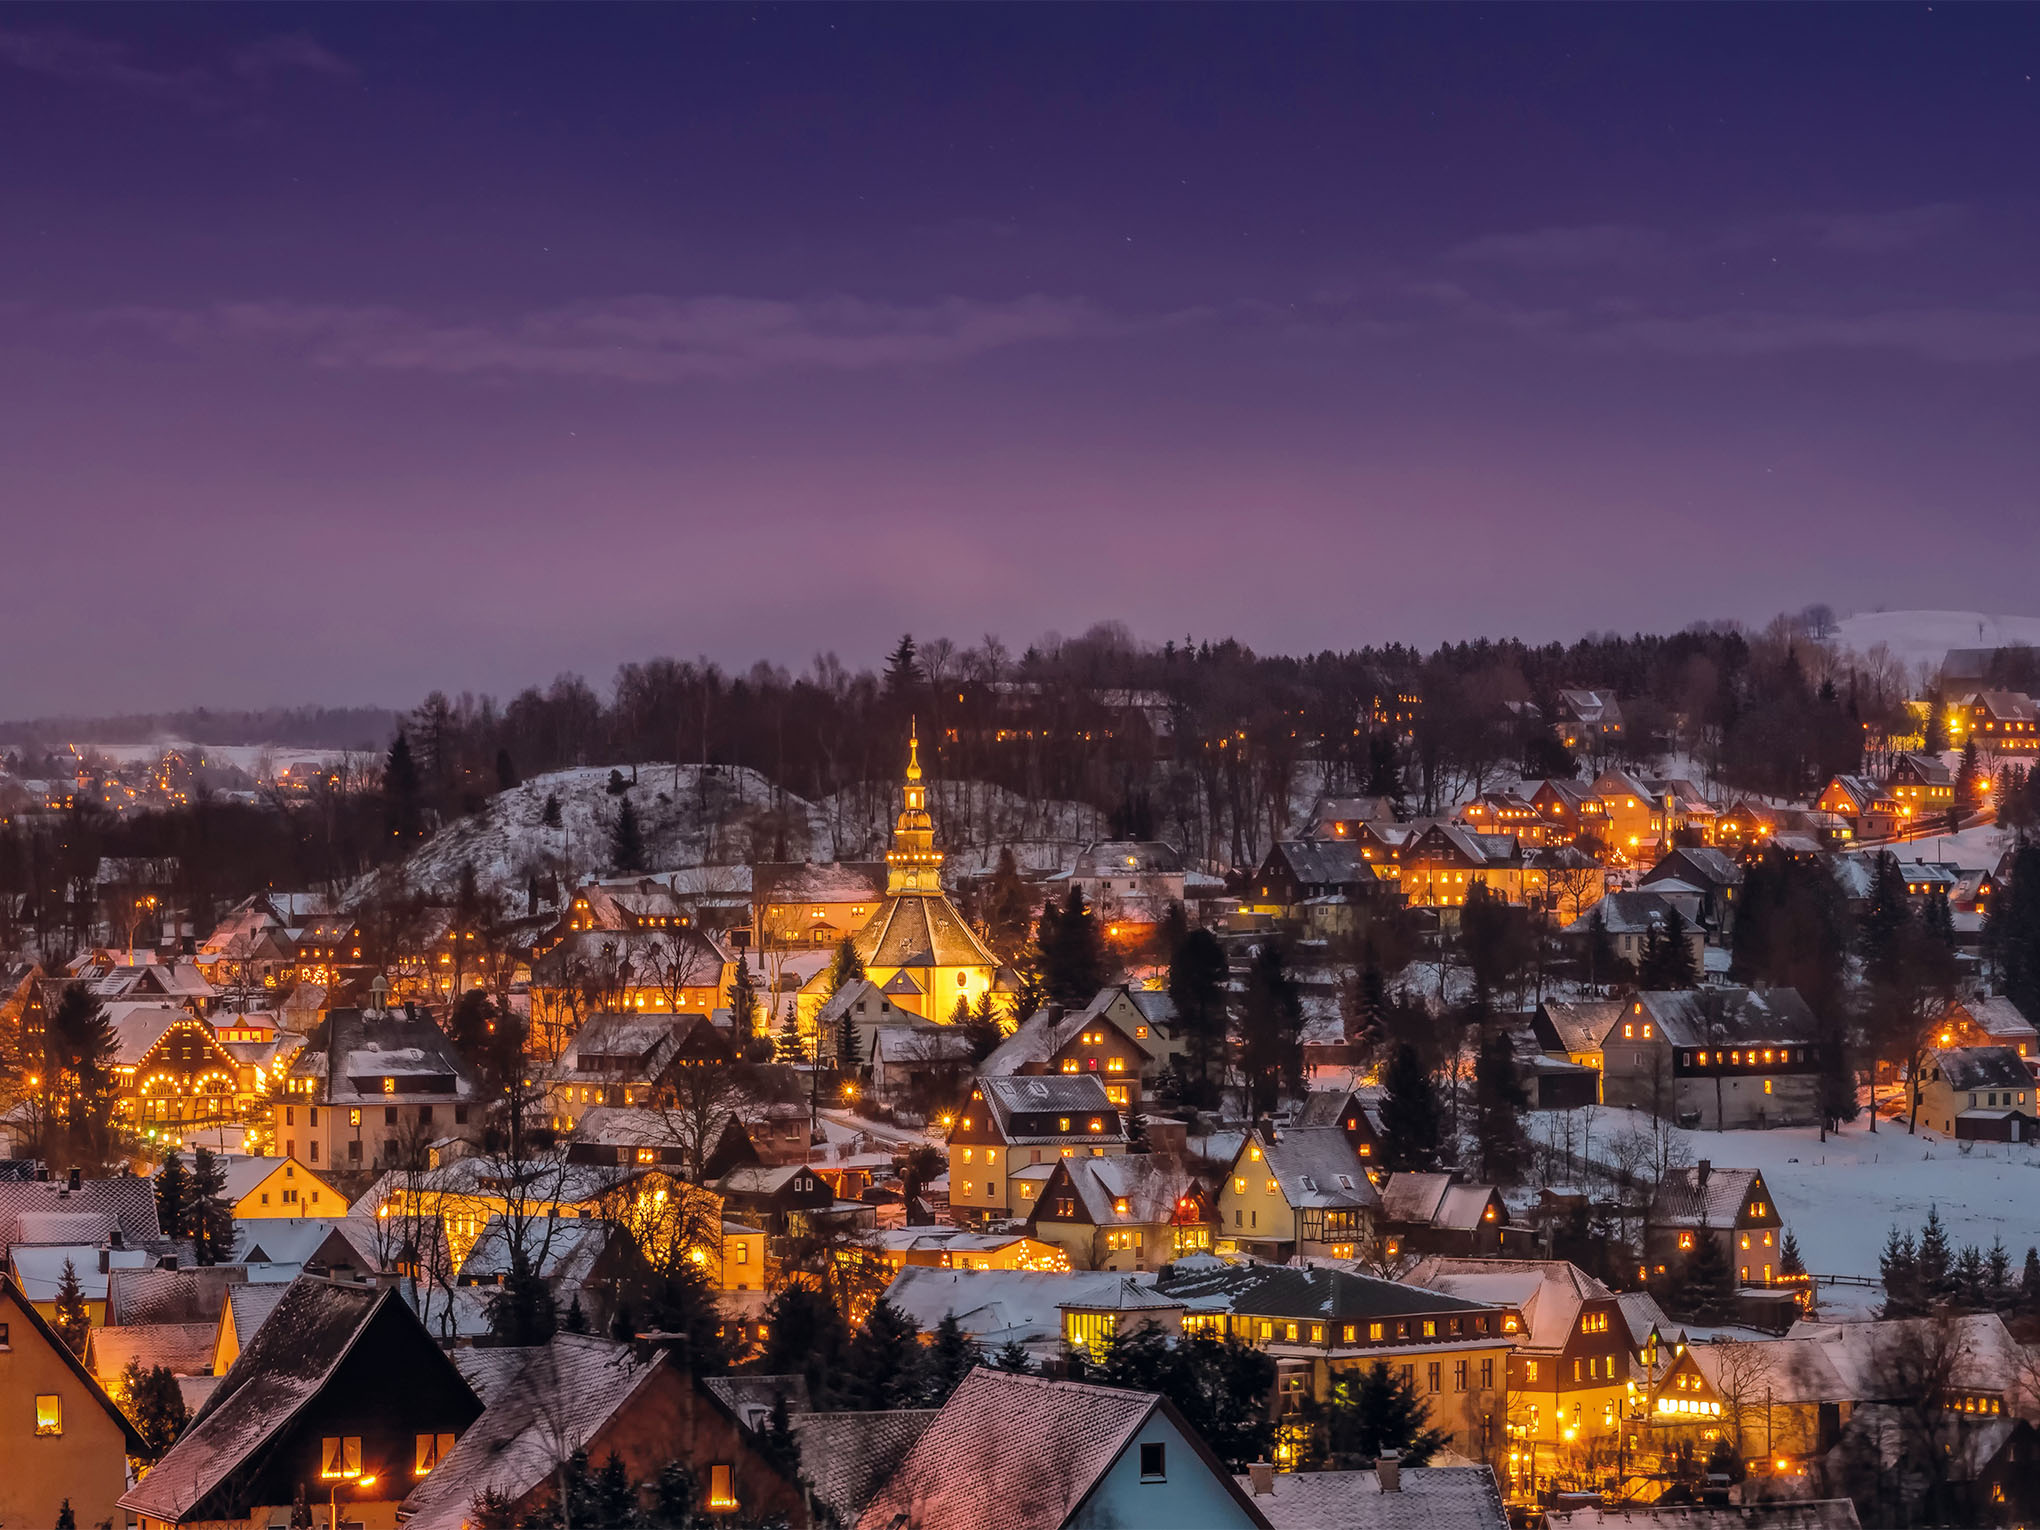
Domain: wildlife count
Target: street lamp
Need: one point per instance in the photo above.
(333, 1497)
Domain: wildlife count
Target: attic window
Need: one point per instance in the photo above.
(389, 1085)
(49, 1413)
(722, 1489)
(1154, 1461)
(1308, 1182)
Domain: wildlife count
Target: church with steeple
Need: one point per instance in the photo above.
(916, 947)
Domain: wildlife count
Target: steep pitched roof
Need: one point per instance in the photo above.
(968, 1472)
(1583, 1026)
(537, 1396)
(847, 1457)
(1548, 1292)
(138, 1297)
(1316, 1166)
(1150, 1184)
(920, 930)
(1050, 1094)
(1726, 1016)
(1685, 1199)
(312, 1330)
(11, 1295)
(1965, 1068)
(1206, 1284)
(186, 1348)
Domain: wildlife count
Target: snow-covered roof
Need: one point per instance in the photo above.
(1425, 1498)
(1312, 1166)
(1548, 1292)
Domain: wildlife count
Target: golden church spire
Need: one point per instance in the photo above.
(913, 864)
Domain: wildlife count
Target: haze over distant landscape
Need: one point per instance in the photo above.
(350, 353)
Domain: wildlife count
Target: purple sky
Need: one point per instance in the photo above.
(346, 353)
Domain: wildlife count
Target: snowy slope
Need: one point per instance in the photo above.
(1924, 637)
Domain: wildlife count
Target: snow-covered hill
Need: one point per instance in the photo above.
(1924, 637)
(694, 816)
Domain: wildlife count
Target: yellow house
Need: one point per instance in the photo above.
(743, 1258)
(1015, 1123)
(278, 1187)
(1303, 1191)
(64, 1439)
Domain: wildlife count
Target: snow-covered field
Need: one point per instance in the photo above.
(1841, 1197)
(1924, 637)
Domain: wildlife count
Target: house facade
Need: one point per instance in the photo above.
(1011, 1123)
(1297, 1193)
(65, 1440)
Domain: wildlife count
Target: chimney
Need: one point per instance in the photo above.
(1262, 1474)
(114, 1238)
(1701, 1170)
(1388, 1467)
(105, 1259)
(76, 1175)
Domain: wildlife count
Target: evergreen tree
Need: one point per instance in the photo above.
(1006, 903)
(2029, 1281)
(882, 1364)
(67, 1517)
(903, 670)
(849, 1050)
(1384, 772)
(575, 1320)
(847, 968)
(950, 1358)
(1998, 1272)
(806, 1337)
(212, 1214)
(1789, 1260)
(1600, 962)
(550, 818)
(1968, 778)
(1197, 982)
(403, 814)
(1012, 1357)
(173, 1197)
(980, 1025)
(1668, 957)
(627, 840)
(522, 1309)
(1271, 1029)
(616, 785)
(1936, 1264)
(1899, 1269)
(1368, 1413)
(743, 997)
(2011, 932)
(1500, 1144)
(152, 1399)
(1968, 1279)
(1412, 1123)
(1935, 741)
(1072, 952)
(1710, 1280)
(80, 1088)
(506, 772)
(790, 1046)
(74, 1319)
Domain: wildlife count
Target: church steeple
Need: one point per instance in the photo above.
(913, 865)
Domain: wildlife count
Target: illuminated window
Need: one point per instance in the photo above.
(389, 1086)
(49, 1413)
(340, 1457)
(722, 1489)
(432, 1449)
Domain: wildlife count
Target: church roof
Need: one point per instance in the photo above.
(920, 930)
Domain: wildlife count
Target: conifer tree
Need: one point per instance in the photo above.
(1072, 952)
(1998, 1272)
(1935, 740)
(1899, 1269)
(575, 1320)
(1936, 1265)
(173, 1196)
(550, 817)
(903, 670)
(847, 968)
(849, 1050)
(67, 1517)
(882, 1364)
(791, 1048)
(1412, 1124)
(403, 816)
(152, 1399)
(2029, 1281)
(1369, 1413)
(1968, 778)
(806, 1337)
(1710, 1280)
(212, 1214)
(627, 840)
(74, 1318)
(1012, 1357)
(1789, 1260)
(1667, 956)
(743, 997)
(1197, 980)
(1271, 1028)
(951, 1356)
(506, 772)
(1499, 1101)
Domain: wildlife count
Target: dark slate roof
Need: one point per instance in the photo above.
(289, 1360)
(920, 930)
(1206, 1284)
(1698, 864)
(1964, 1068)
(1428, 1498)
(846, 1457)
(1334, 862)
(1728, 1016)
(1080, 1094)
(1683, 1199)
(128, 1198)
(1317, 1166)
(170, 1296)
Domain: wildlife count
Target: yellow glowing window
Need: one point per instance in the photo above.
(722, 1488)
(49, 1413)
(1374, 1331)
(389, 1086)
(340, 1457)
(432, 1449)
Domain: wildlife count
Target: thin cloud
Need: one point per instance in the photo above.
(76, 58)
(1970, 335)
(639, 339)
(1564, 249)
(1880, 233)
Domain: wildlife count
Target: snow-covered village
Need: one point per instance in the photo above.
(1629, 1046)
(997, 766)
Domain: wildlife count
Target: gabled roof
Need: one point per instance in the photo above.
(11, 1295)
(1020, 1453)
(1314, 1166)
(568, 1389)
(1074, 1095)
(1997, 1016)
(128, 1198)
(1331, 862)
(186, 1349)
(1426, 1498)
(1965, 1068)
(994, 1306)
(1150, 1184)
(1202, 1283)
(311, 1331)
(1548, 1292)
(1434, 1200)
(1583, 1026)
(1685, 1199)
(171, 1296)
(1728, 1016)
(845, 1458)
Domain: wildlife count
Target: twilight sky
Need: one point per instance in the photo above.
(349, 352)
